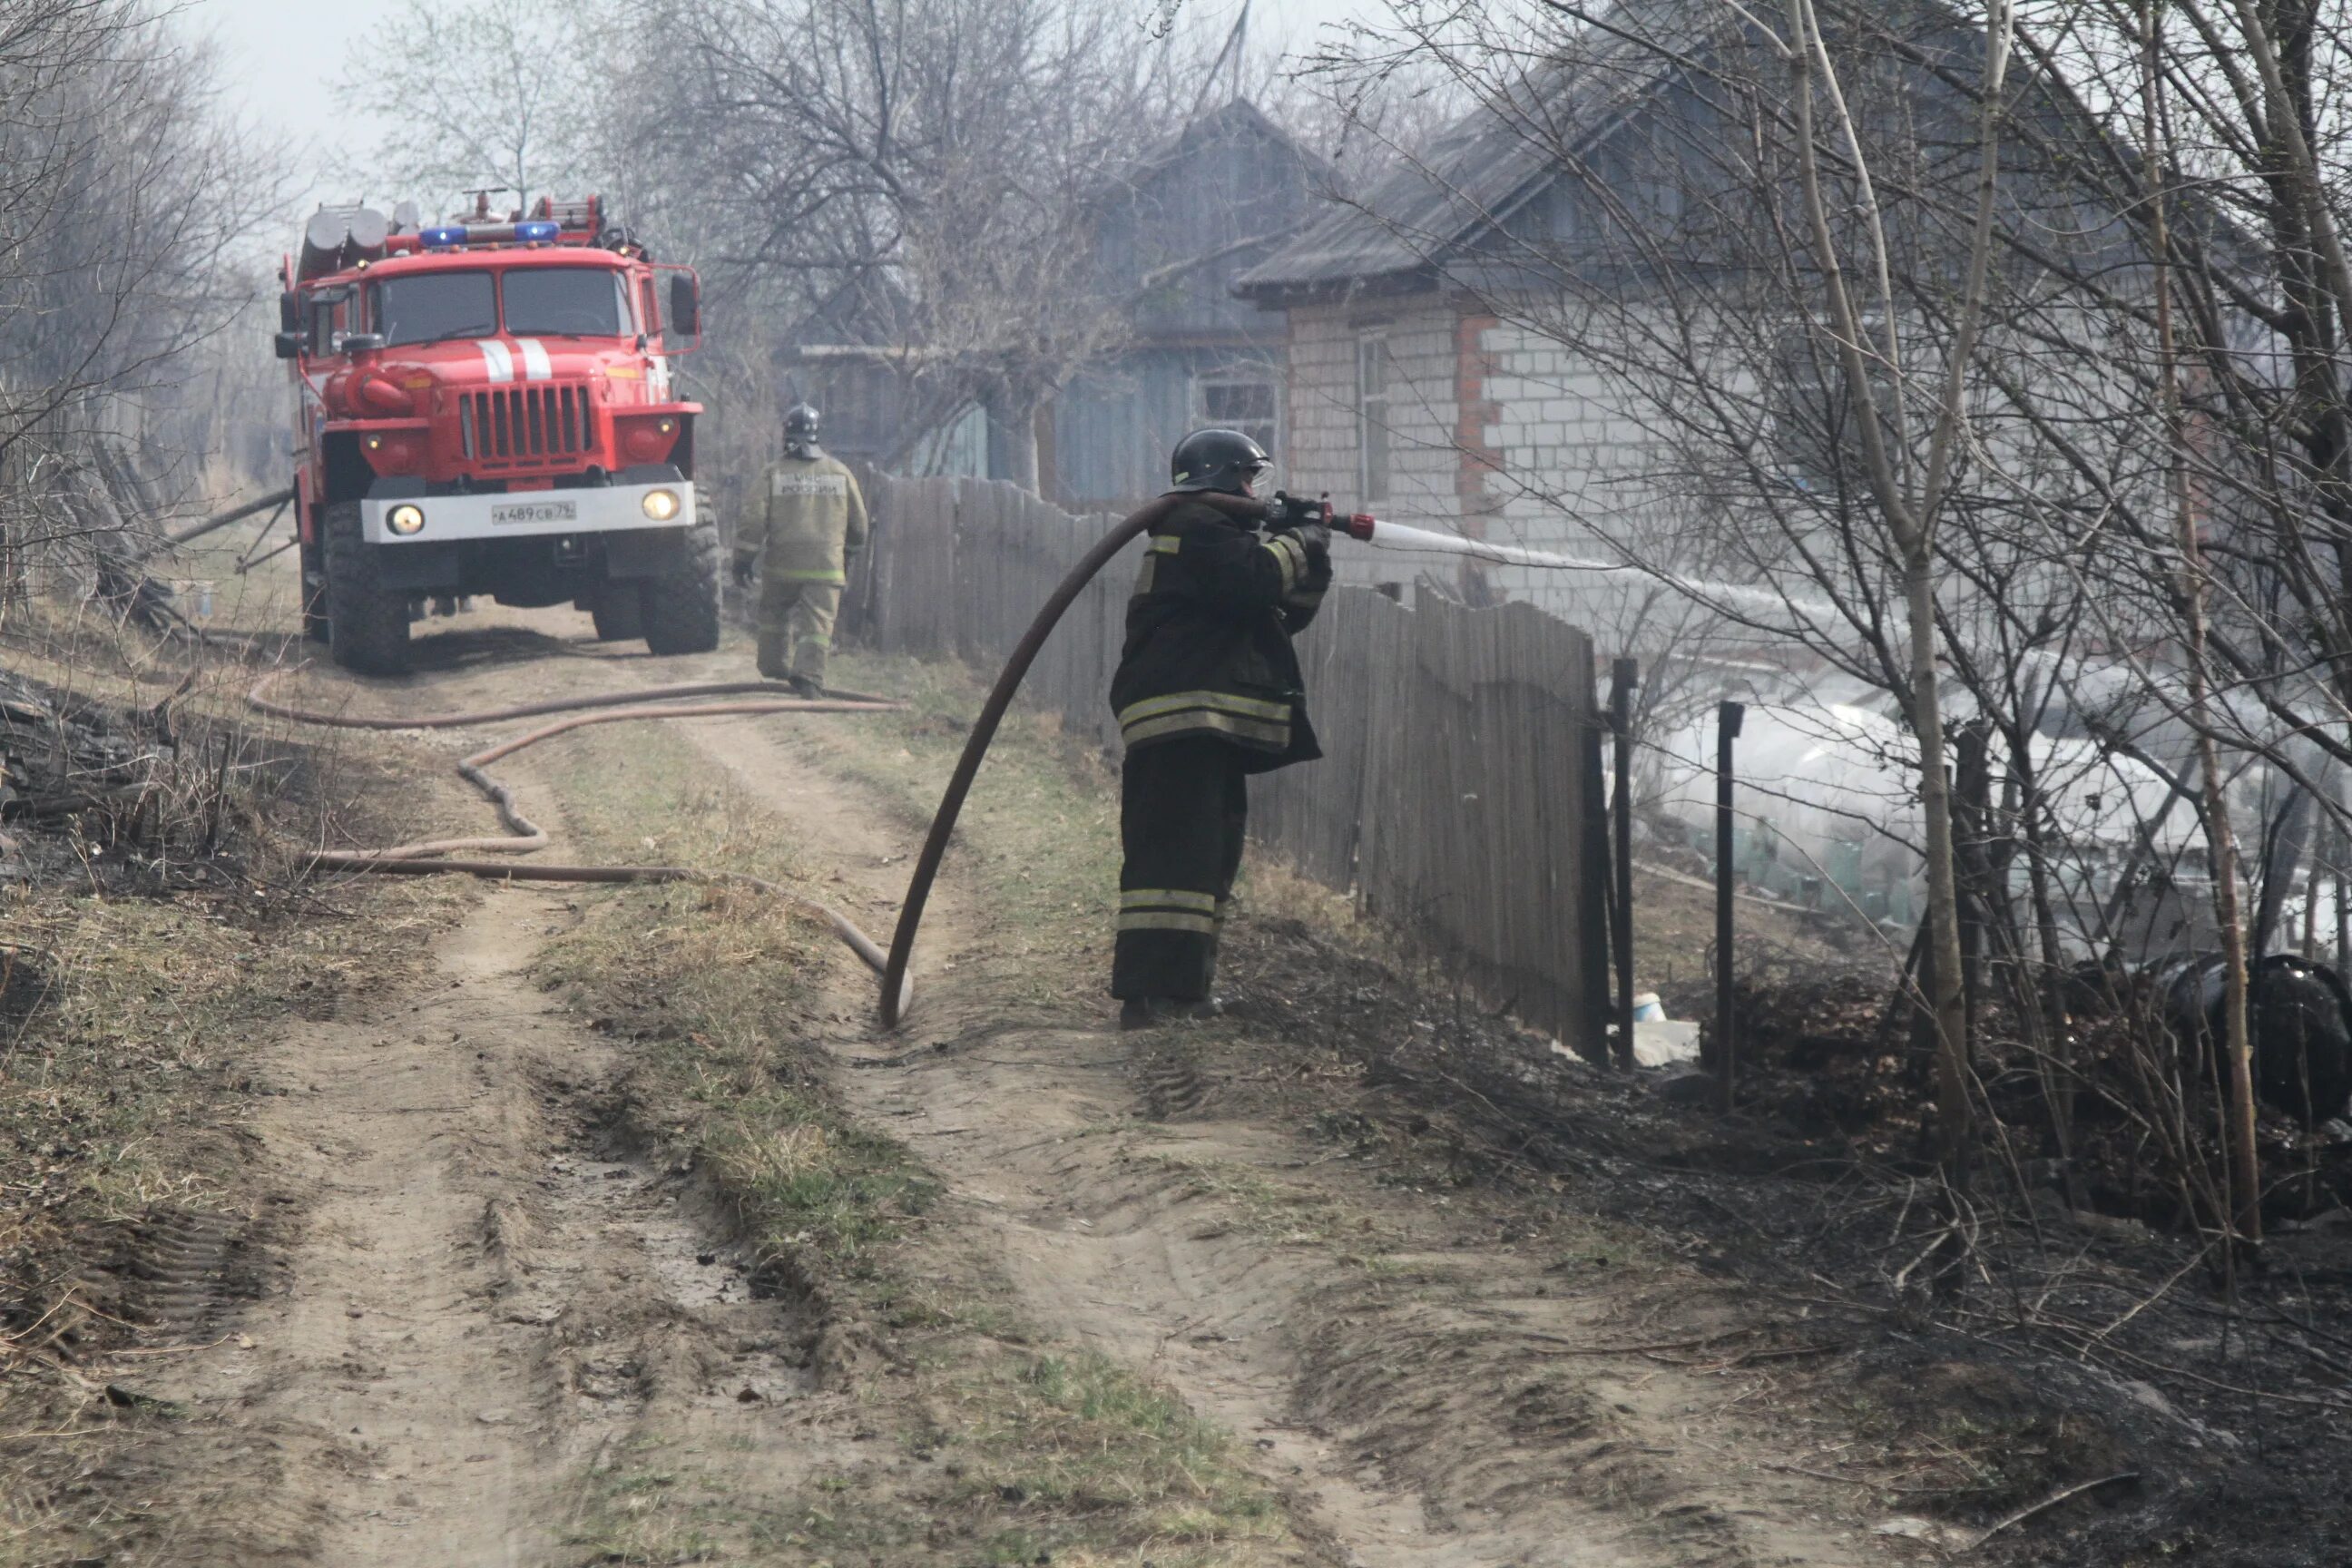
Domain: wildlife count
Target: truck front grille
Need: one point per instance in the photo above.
(511, 423)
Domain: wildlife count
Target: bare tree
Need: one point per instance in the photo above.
(482, 93)
(126, 194)
(939, 157)
(2016, 384)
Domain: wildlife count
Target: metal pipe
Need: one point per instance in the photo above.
(1727, 720)
(269, 555)
(221, 519)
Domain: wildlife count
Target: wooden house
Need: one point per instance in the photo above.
(1172, 235)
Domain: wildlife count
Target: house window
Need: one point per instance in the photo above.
(1244, 399)
(1374, 370)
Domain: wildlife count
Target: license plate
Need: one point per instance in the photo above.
(534, 511)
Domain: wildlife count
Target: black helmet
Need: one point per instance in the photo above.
(800, 423)
(1223, 460)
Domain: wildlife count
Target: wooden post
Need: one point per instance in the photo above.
(1594, 900)
(1728, 717)
(1624, 675)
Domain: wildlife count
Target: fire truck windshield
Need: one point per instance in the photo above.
(432, 305)
(565, 301)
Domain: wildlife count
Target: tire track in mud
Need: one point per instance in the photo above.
(1408, 1406)
(477, 1296)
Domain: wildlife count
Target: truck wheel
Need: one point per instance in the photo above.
(314, 594)
(367, 624)
(681, 604)
(618, 610)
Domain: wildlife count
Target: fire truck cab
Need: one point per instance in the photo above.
(486, 409)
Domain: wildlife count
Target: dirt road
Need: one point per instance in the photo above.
(497, 1306)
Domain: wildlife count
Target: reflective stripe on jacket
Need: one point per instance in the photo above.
(1208, 639)
(807, 519)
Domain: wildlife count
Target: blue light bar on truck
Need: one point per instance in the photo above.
(537, 230)
(445, 235)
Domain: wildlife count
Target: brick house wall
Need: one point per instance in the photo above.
(1482, 410)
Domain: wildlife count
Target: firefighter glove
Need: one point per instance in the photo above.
(1318, 540)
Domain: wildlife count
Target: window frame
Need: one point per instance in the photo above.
(1248, 373)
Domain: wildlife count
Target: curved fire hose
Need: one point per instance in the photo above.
(430, 858)
(992, 714)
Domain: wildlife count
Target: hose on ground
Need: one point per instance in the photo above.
(431, 858)
(992, 714)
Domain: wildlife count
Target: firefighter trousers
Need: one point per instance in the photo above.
(796, 630)
(1183, 808)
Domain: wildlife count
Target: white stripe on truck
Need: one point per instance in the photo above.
(496, 361)
(535, 364)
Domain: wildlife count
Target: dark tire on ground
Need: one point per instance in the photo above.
(314, 594)
(367, 624)
(619, 611)
(681, 604)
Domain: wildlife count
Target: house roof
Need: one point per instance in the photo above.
(1234, 118)
(1486, 164)
(866, 312)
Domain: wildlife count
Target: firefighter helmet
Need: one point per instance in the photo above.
(800, 423)
(1223, 460)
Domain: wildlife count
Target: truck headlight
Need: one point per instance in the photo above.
(405, 520)
(661, 505)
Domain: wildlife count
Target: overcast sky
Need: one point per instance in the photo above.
(283, 54)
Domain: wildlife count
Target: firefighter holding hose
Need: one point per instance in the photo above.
(1208, 691)
(804, 526)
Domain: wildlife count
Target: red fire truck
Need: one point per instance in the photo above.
(486, 409)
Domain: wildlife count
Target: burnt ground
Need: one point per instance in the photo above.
(2082, 1344)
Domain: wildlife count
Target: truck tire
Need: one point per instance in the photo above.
(367, 624)
(619, 611)
(681, 602)
(313, 591)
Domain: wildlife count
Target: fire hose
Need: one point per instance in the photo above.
(1282, 512)
(1000, 698)
(432, 857)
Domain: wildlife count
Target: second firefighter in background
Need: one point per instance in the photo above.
(806, 523)
(1208, 691)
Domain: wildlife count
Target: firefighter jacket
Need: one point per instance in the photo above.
(804, 522)
(1208, 639)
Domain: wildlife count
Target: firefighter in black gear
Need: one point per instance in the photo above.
(1208, 692)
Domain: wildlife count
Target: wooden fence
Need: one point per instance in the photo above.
(1460, 794)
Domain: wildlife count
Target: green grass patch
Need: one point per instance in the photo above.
(641, 1512)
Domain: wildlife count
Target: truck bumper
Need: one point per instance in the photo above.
(605, 509)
